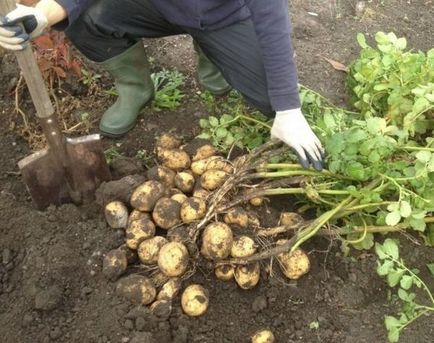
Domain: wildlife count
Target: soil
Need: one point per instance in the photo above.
(51, 285)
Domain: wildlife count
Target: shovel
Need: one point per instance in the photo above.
(68, 169)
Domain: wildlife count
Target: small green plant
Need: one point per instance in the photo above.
(112, 153)
(144, 157)
(88, 77)
(398, 275)
(167, 85)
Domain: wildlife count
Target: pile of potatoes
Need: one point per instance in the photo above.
(156, 241)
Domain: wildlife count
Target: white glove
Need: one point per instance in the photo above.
(292, 128)
(12, 36)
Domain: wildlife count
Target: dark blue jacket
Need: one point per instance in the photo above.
(272, 25)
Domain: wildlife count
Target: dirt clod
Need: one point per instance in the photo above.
(48, 299)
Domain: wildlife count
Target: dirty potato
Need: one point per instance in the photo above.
(237, 216)
(148, 249)
(225, 272)
(173, 259)
(170, 289)
(168, 141)
(174, 159)
(195, 300)
(137, 289)
(184, 181)
(243, 246)
(247, 276)
(162, 174)
(147, 194)
(116, 215)
(166, 213)
(139, 230)
(217, 240)
(293, 264)
(263, 336)
(213, 179)
(200, 149)
(192, 209)
(114, 264)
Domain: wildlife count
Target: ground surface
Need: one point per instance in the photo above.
(51, 288)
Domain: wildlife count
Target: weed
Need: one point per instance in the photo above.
(398, 275)
(112, 153)
(167, 85)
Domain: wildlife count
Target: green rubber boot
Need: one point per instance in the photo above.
(209, 76)
(135, 88)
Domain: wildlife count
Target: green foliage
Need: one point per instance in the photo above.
(397, 274)
(240, 128)
(167, 85)
(393, 83)
(112, 153)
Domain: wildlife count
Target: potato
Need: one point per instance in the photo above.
(173, 259)
(263, 336)
(147, 194)
(161, 308)
(195, 300)
(247, 276)
(162, 174)
(116, 215)
(139, 230)
(166, 213)
(168, 141)
(225, 272)
(137, 215)
(200, 149)
(178, 234)
(256, 201)
(217, 240)
(293, 264)
(214, 162)
(237, 216)
(170, 289)
(129, 253)
(184, 181)
(148, 249)
(201, 194)
(213, 179)
(192, 209)
(243, 246)
(137, 289)
(290, 219)
(114, 264)
(174, 159)
(180, 198)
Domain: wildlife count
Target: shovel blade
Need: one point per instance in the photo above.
(53, 182)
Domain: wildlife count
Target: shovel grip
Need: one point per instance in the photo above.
(32, 75)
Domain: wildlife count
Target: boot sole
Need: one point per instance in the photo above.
(117, 135)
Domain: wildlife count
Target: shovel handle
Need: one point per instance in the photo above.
(31, 72)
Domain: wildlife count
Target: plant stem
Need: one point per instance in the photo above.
(417, 148)
(312, 229)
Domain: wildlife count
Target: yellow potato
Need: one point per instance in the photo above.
(139, 230)
(263, 336)
(195, 300)
(290, 219)
(243, 246)
(148, 249)
(200, 149)
(225, 272)
(147, 194)
(174, 159)
(217, 240)
(162, 174)
(116, 215)
(192, 209)
(166, 213)
(214, 162)
(170, 289)
(136, 288)
(293, 264)
(256, 201)
(184, 181)
(237, 216)
(180, 197)
(247, 276)
(201, 194)
(137, 215)
(213, 179)
(169, 141)
(173, 259)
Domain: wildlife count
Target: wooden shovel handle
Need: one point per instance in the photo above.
(31, 72)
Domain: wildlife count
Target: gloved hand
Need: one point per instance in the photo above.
(292, 128)
(12, 36)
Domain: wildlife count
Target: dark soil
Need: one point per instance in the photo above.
(51, 285)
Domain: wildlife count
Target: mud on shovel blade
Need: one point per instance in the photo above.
(68, 169)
